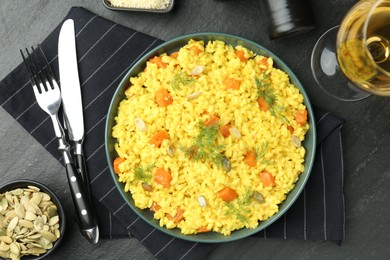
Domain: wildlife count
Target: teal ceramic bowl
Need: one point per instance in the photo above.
(174, 45)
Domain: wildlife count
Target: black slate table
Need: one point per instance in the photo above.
(366, 133)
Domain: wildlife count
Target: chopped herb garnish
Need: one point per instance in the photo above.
(260, 152)
(245, 200)
(180, 79)
(270, 96)
(240, 209)
(144, 174)
(204, 146)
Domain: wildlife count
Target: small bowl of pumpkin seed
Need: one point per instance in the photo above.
(32, 220)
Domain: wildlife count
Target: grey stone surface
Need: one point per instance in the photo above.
(365, 136)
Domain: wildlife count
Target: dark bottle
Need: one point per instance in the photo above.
(288, 17)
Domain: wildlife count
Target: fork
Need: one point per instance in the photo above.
(48, 96)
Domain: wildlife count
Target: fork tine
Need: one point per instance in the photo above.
(41, 78)
(27, 62)
(38, 70)
(45, 69)
(31, 68)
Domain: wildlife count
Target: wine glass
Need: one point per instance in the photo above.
(352, 61)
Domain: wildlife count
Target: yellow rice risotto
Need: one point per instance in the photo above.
(209, 138)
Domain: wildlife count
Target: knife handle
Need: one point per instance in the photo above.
(84, 211)
(82, 166)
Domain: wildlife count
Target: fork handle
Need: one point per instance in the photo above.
(84, 210)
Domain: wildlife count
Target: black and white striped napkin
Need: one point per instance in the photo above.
(106, 51)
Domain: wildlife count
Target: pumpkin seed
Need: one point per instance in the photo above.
(48, 235)
(34, 244)
(33, 188)
(20, 211)
(51, 211)
(4, 254)
(16, 201)
(171, 150)
(9, 198)
(23, 247)
(48, 246)
(3, 204)
(12, 224)
(17, 237)
(13, 256)
(44, 242)
(38, 210)
(14, 249)
(30, 216)
(202, 201)
(6, 239)
(36, 251)
(32, 232)
(145, 186)
(24, 200)
(54, 220)
(4, 247)
(194, 95)
(16, 230)
(36, 199)
(140, 124)
(46, 227)
(44, 205)
(26, 223)
(27, 192)
(35, 236)
(44, 218)
(10, 215)
(38, 223)
(296, 141)
(226, 165)
(197, 70)
(30, 208)
(3, 231)
(45, 197)
(17, 192)
(23, 230)
(235, 132)
(258, 197)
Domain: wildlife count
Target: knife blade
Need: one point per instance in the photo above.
(74, 119)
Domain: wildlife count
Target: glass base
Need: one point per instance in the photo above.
(327, 72)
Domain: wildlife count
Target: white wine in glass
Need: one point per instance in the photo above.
(362, 51)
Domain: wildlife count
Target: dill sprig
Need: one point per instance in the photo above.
(144, 174)
(180, 79)
(240, 209)
(260, 152)
(204, 145)
(245, 200)
(270, 96)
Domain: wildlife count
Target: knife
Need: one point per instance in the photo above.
(71, 96)
(74, 122)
